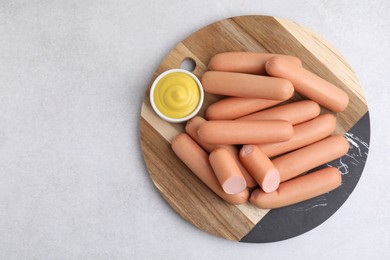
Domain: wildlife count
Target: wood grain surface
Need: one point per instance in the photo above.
(179, 187)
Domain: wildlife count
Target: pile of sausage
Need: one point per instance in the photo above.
(249, 143)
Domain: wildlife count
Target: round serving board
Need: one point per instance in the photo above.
(189, 196)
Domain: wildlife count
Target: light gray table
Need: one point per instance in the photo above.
(73, 184)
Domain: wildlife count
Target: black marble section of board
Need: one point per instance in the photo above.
(287, 222)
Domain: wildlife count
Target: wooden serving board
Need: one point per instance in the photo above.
(188, 195)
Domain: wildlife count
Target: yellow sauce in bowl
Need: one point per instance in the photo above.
(176, 95)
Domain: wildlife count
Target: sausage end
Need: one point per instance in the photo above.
(271, 181)
(246, 150)
(234, 185)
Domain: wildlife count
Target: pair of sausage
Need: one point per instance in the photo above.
(275, 125)
(197, 160)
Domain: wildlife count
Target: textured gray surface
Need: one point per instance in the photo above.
(73, 184)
